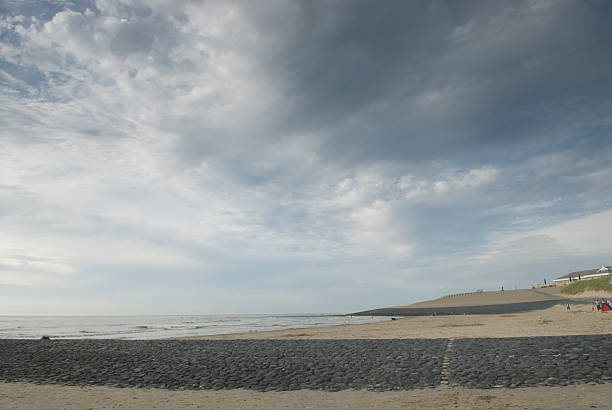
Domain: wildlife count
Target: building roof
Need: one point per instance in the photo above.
(603, 269)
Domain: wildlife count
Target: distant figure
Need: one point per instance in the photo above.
(578, 277)
(502, 288)
(544, 281)
(568, 306)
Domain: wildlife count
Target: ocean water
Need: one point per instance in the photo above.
(161, 327)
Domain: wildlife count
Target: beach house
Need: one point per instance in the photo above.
(583, 274)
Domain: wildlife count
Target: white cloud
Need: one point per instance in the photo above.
(449, 183)
(32, 269)
(575, 238)
(587, 235)
(36, 264)
(21, 278)
(376, 230)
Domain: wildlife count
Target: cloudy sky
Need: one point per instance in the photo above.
(287, 156)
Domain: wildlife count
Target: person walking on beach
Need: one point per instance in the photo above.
(568, 307)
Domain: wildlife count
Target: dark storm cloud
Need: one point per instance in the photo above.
(408, 79)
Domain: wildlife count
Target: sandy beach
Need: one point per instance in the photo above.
(554, 321)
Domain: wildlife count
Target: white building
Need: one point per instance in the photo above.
(584, 274)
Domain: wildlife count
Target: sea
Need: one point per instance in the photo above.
(162, 327)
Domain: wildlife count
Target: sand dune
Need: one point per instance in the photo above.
(490, 298)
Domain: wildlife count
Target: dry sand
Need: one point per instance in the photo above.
(30, 396)
(554, 321)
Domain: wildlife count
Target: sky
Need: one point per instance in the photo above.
(163, 157)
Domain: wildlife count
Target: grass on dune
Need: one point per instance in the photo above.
(599, 284)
